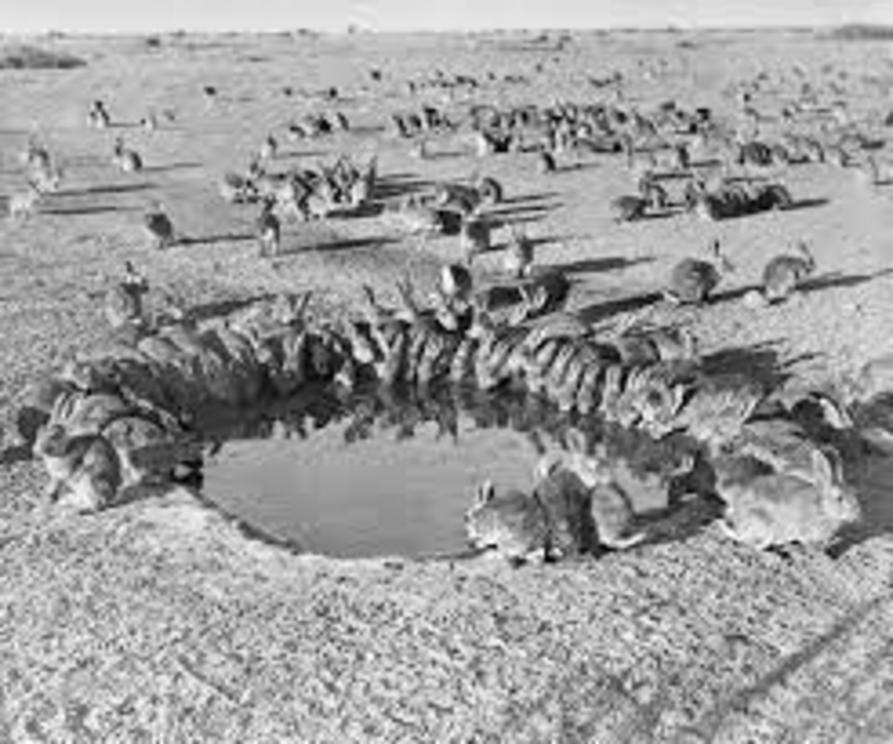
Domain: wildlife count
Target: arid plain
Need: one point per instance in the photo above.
(159, 621)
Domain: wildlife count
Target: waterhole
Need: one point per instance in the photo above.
(375, 476)
(391, 474)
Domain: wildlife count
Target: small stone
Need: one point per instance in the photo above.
(753, 299)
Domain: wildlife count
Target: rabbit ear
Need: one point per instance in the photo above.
(576, 440)
(822, 467)
(485, 492)
(678, 398)
(545, 466)
(835, 414)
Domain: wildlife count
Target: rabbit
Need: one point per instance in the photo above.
(628, 208)
(80, 412)
(474, 238)
(149, 122)
(552, 522)
(23, 204)
(47, 178)
(456, 281)
(147, 452)
(98, 116)
(779, 509)
(268, 230)
(518, 258)
(692, 280)
(124, 302)
(611, 508)
(651, 398)
(718, 409)
(490, 190)
(126, 160)
(159, 226)
(511, 522)
(780, 443)
(784, 273)
(458, 197)
(546, 162)
(269, 147)
(85, 472)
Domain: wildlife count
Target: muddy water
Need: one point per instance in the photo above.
(392, 484)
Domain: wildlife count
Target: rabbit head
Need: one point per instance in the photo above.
(839, 500)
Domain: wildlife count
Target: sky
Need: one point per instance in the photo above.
(17, 16)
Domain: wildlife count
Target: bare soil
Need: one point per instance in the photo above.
(161, 622)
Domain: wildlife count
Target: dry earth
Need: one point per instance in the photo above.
(160, 622)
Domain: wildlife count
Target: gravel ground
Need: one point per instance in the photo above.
(162, 622)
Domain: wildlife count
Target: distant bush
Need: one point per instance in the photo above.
(863, 32)
(34, 58)
(153, 42)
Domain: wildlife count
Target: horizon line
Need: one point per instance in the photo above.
(357, 29)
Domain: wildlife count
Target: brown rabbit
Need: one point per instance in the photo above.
(124, 302)
(518, 258)
(693, 280)
(779, 509)
(553, 521)
(147, 452)
(611, 507)
(85, 472)
(784, 273)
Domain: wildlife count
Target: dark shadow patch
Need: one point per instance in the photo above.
(598, 265)
(95, 209)
(759, 362)
(529, 198)
(369, 209)
(365, 129)
(186, 165)
(14, 454)
(602, 310)
(214, 239)
(662, 215)
(346, 244)
(805, 204)
(533, 209)
(393, 188)
(220, 308)
(837, 279)
(115, 188)
(522, 219)
(731, 295)
(283, 155)
(444, 155)
(573, 167)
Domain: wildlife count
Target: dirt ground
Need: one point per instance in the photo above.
(160, 622)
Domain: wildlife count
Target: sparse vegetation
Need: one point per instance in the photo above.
(27, 57)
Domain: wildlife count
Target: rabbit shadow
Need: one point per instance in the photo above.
(113, 188)
(806, 204)
(593, 314)
(222, 308)
(526, 199)
(96, 209)
(761, 362)
(335, 246)
(400, 185)
(838, 279)
(15, 453)
(171, 167)
(214, 239)
(597, 265)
